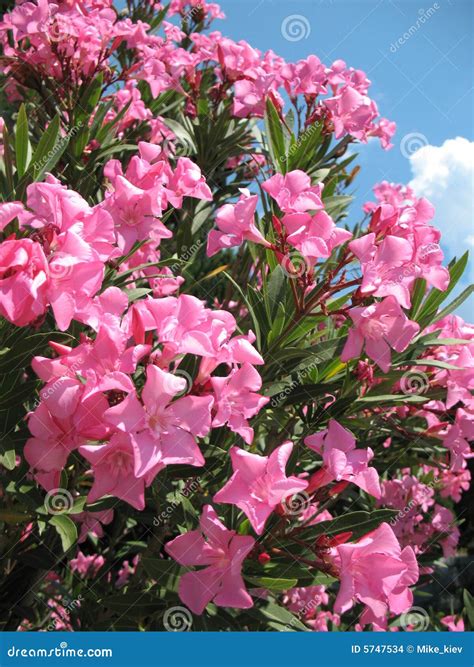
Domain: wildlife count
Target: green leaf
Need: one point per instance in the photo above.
(336, 206)
(8, 160)
(282, 619)
(22, 142)
(392, 398)
(417, 296)
(276, 137)
(272, 584)
(469, 607)
(275, 290)
(435, 298)
(165, 572)
(137, 293)
(7, 453)
(458, 301)
(66, 529)
(89, 99)
(358, 523)
(49, 150)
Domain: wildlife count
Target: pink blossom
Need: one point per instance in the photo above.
(294, 192)
(113, 466)
(443, 522)
(126, 571)
(341, 459)
(164, 432)
(314, 236)
(251, 95)
(9, 210)
(187, 181)
(92, 522)
(259, 484)
(381, 326)
(376, 572)
(237, 400)
(352, 112)
(221, 552)
(306, 77)
(24, 281)
(453, 624)
(63, 420)
(136, 214)
(304, 602)
(86, 566)
(235, 224)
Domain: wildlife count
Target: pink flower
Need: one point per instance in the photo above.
(164, 432)
(352, 113)
(76, 271)
(250, 95)
(187, 181)
(259, 483)
(452, 624)
(63, 420)
(314, 236)
(305, 601)
(294, 192)
(86, 566)
(235, 224)
(222, 552)
(380, 326)
(91, 522)
(135, 212)
(341, 459)
(9, 210)
(384, 129)
(443, 522)
(237, 400)
(306, 77)
(391, 266)
(376, 572)
(24, 281)
(113, 465)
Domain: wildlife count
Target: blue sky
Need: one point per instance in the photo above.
(419, 58)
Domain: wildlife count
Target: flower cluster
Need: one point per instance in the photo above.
(186, 299)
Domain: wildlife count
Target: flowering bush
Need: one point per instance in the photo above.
(225, 405)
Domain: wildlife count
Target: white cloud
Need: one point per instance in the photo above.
(445, 175)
